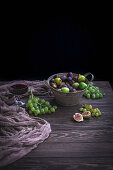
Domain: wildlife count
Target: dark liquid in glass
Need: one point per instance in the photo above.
(19, 89)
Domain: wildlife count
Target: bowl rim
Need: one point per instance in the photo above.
(78, 91)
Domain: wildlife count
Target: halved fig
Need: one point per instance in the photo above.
(86, 115)
(78, 117)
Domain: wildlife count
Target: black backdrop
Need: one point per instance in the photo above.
(37, 47)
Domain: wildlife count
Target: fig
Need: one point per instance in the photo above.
(81, 78)
(54, 85)
(63, 85)
(75, 85)
(52, 80)
(74, 90)
(69, 79)
(63, 78)
(78, 117)
(82, 85)
(65, 89)
(86, 114)
(75, 78)
(70, 87)
(58, 81)
(70, 74)
(71, 82)
(55, 76)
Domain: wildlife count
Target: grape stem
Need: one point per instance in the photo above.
(32, 96)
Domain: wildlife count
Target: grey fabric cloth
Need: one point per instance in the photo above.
(20, 133)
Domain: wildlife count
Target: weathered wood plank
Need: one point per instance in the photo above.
(73, 150)
(60, 163)
(83, 136)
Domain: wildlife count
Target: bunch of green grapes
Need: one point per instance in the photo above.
(93, 92)
(94, 112)
(38, 106)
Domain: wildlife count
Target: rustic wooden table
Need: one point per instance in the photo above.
(71, 145)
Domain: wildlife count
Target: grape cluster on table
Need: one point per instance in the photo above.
(93, 92)
(94, 112)
(38, 106)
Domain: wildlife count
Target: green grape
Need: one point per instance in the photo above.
(33, 100)
(27, 105)
(104, 94)
(96, 114)
(99, 113)
(30, 105)
(97, 95)
(86, 106)
(94, 110)
(32, 109)
(93, 114)
(84, 94)
(100, 95)
(55, 107)
(90, 107)
(52, 109)
(93, 91)
(49, 106)
(97, 110)
(96, 88)
(42, 101)
(93, 96)
(42, 111)
(29, 101)
(90, 89)
(35, 105)
(91, 84)
(84, 110)
(49, 111)
(46, 109)
(30, 112)
(36, 100)
(37, 112)
(81, 109)
(47, 103)
(88, 95)
(91, 110)
(97, 91)
(87, 91)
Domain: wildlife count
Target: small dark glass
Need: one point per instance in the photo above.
(18, 88)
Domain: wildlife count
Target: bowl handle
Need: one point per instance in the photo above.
(45, 82)
(91, 76)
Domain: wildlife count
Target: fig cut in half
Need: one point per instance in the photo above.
(86, 115)
(78, 117)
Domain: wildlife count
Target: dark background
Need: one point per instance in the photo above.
(37, 45)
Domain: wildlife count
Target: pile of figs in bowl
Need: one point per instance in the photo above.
(68, 88)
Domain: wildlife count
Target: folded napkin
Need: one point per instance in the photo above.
(20, 133)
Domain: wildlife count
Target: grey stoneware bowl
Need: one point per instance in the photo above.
(71, 98)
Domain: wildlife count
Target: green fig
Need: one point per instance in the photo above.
(65, 89)
(82, 85)
(75, 85)
(58, 81)
(81, 78)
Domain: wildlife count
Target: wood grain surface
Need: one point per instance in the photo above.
(86, 145)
